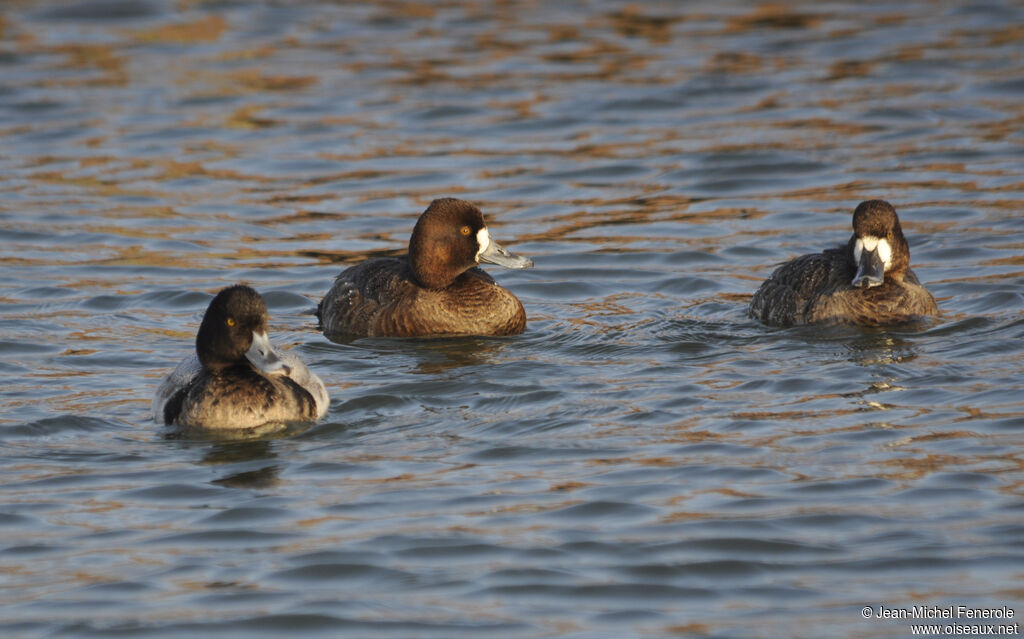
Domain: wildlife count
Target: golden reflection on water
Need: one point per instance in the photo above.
(633, 43)
(208, 29)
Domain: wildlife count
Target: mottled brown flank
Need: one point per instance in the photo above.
(238, 397)
(817, 288)
(381, 298)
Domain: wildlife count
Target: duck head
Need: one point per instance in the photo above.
(450, 238)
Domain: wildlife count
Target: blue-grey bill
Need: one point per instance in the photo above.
(497, 254)
(870, 270)
(263, 356)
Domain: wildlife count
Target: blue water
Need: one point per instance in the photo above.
(644, 460)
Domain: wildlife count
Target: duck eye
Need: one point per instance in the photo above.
(231, 321)
(465, 230)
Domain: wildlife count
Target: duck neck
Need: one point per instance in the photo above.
(431, 266)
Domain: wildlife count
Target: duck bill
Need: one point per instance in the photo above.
(497, 254)
(263, 356)
(870, 270)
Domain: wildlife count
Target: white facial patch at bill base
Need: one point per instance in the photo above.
(483, 238)
(868, 243)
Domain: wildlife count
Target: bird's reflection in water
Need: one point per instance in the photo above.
(254, 479)
(441, 356)
(247, 455)
(874, 348)
(238, 452)
(435, 355)
(880, 349)
(243, 451)
(864, 346)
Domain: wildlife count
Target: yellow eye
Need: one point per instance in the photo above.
(465, 230)
(231, 321)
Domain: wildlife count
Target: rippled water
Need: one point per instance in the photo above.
(644, 460)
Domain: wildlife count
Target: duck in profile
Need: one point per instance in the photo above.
(436, 290)
(236, 380)
(867, 282)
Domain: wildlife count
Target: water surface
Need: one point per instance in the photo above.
(644, 460)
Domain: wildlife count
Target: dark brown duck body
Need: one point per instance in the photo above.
(436, 290)
(867, 282)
